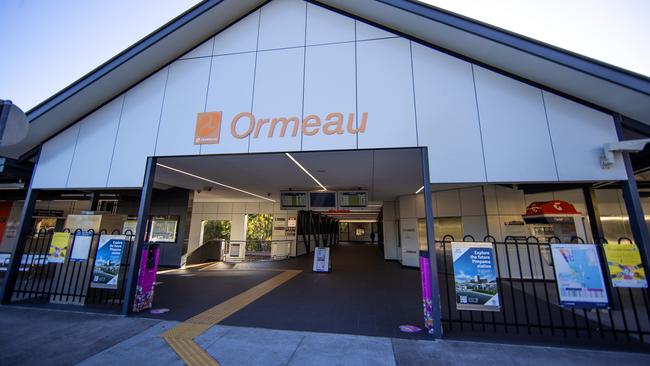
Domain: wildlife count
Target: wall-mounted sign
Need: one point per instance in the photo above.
(58, 247)
(245, 124)
(475, 276)
(579, 277)
(107, 261)
(625, 266)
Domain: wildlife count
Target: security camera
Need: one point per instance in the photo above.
(607, 159)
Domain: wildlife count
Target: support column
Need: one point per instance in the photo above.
(94, 201)
(431, 246)
(17, 253)
(633, 202)
(140, 236)
(594, 214)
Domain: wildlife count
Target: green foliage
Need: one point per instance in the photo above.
(259, 227)
(216, 229)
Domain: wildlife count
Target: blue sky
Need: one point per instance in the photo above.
(46, 45)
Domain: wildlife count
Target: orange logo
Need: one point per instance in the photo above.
(208, 128)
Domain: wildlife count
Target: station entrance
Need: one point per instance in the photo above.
(254, 216)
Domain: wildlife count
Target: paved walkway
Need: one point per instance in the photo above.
(50, 337)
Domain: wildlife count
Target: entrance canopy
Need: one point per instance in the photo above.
(384, 174)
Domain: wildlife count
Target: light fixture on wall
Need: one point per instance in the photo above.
(419, 190)
(214, 182)
(305, 170)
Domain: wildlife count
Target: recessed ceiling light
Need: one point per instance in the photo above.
(305, 170)
(214, 182)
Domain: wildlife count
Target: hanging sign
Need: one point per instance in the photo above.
(579, 276)
(81, 247)
(321, 259)
(58, 247)
(107, 261)
(475, 276)
(625, 267)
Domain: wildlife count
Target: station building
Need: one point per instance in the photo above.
(388, 125)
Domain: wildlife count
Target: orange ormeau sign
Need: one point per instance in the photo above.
(244, 124)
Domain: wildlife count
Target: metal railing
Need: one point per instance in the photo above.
(256, 250)
(529, 298)
(42, 280)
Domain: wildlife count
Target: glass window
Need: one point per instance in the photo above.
(215, 230)
(259, 227)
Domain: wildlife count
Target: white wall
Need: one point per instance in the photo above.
(291, 58)
(235, 212)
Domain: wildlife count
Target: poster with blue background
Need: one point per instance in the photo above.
(107, 261)
(475, 276)
(579, 276)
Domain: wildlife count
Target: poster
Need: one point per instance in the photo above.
(579, 276)
(107, 261)
(321, 259)
(427, 303)
(81, 247)
(625, 267)
(58, 247)
(475, 276)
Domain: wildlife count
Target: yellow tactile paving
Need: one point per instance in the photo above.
(181, 337)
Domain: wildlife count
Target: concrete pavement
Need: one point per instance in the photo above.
(50, 337)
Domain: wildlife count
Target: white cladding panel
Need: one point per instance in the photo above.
(447, 117)
(478, 125)
(385, 92)
(278, 94)
(239, 37)
(94, 151)
(516, 138)
(184, 97)
(282, 24)
(330, 88)
(136, 136)
(54, 162)
(578, 153)
(326, 26)
(230, 91)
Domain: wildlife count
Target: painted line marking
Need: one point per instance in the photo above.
(181, 337)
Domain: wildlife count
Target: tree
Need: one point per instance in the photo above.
(216, 229)
(259, 227)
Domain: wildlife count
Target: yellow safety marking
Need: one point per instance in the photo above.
(181, 337)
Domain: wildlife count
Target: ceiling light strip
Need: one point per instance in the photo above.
(305, 170)
(214, 182)
(419, 190)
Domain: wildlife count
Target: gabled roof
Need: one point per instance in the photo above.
(589, 81)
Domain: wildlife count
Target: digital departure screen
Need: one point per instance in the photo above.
(322, 199)
(353, 199)
(293, 199)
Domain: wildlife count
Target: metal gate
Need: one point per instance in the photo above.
(530, 306)
(42, 281)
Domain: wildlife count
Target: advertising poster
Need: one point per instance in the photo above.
(475, 276)
(625, 267)
(321, 259)
(427, 303)
(579, 276)
(81, 247)
(107, 261)
(58, 247)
